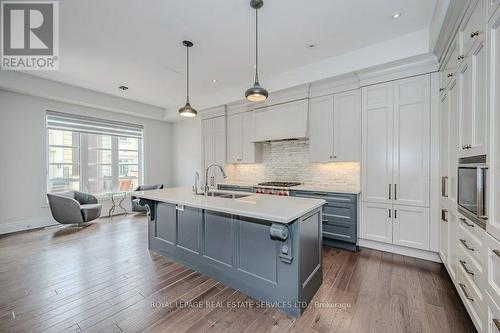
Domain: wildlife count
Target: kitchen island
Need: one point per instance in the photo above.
(268, 247)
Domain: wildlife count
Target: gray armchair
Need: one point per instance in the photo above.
(74, 207)
(136, 207)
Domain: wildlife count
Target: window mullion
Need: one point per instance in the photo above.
(115, 170)
(84, 165)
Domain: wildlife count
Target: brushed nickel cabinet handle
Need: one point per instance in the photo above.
(497, 323)
(444, 212)
(462, 286)
(466, 223)
(461, 57)
(497, 252)
(395, 213)
(395, 191)
(451, 75)
(441, 89)
(444, 190)
(389, 213)
(324, 221)
(464, 242)
(474, 34)
(466, 269)
(390, 191)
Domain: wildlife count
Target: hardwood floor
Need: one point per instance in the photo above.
(103, 279)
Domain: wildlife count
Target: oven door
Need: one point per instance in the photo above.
(471, 185)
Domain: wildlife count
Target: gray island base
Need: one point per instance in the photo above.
(275, 263)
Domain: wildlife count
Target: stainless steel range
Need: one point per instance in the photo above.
(275, 188)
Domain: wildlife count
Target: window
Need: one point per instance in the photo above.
(92, 155)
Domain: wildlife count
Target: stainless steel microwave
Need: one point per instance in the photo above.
(472, 182)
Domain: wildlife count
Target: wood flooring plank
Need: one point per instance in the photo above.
(104, 279)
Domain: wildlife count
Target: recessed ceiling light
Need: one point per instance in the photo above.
(123, 88)
(214, 81)
(254, 66)
(311, 46)
(396, 15)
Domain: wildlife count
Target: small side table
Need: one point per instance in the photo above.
(114, 197)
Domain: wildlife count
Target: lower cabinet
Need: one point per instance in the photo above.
(411, 226)
(396, 224)
(339, 218)
(492, 319)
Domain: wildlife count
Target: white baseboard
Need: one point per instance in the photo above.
(406, 251)
(22, 225)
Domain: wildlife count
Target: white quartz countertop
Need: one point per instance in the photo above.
(337, 188)
(259, 206)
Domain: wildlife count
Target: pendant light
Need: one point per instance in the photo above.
(187, 110)
(256, 93)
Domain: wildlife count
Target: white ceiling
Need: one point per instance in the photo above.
(104, 44)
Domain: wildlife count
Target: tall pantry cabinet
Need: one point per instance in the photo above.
(396, 162)
(213, 147)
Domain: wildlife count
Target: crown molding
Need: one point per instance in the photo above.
(421, 64)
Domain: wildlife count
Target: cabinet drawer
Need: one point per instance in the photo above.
(469, 266)
(328, 196)
(472, 244)
(492, 320)
(493, 267)
(474, 28)
(472, 299)
(472, 228)
(340, 232)
(339, 213)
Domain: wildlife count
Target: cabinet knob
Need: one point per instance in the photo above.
(474, 34)
(331, 156)
(461, 57)
(441, 89)
(334, 156)
(451, 75)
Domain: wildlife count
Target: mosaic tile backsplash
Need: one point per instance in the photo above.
(289, 161)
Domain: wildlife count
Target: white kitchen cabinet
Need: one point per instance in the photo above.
(411, 151)
(376, 222)
(335, 127)
(493, 223)
(444, 236)
(396, 142)
(444, 143)
(453, 244)
(454, 102)
(214, 146)
(493, 267)
(473, 104)
(377, 147)
(321, 129)
(411, 226)
(396, 162)
(240, 148)
(347, 126)
(492, 320)
(473, 28)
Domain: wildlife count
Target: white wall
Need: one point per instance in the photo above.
(23, 156)
(186, 152)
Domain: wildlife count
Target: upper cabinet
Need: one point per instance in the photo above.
(214, 146)
(473, 29)
(396, 142)
(335, 127)
(281, 121)
(473, 116)
(240, 148)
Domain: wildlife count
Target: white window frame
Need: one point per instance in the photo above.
(83, 161)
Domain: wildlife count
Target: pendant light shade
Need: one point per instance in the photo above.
(256, 93)
(187, 110)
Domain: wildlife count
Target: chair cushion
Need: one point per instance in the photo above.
(90, 212)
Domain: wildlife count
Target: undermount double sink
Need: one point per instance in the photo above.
(226, 195)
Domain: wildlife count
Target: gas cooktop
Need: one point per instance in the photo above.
(280, 184)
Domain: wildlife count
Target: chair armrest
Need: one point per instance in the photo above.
(85, 198)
